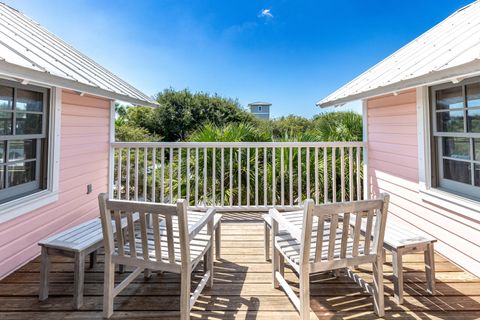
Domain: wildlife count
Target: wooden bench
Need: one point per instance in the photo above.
(398, 240)
(85, 239)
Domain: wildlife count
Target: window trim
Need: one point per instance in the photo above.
(24, 205)
(434, 195)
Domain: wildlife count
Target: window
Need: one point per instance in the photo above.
(23, 126)
(456, 134)
(259, 108)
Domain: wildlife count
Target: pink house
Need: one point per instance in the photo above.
(56, 125)
(421, 109)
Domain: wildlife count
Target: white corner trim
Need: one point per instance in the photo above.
(423, 135)
(366, 178)
(111, 152)
(436, 196)
(24, 205)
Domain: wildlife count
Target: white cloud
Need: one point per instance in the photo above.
(265, 13)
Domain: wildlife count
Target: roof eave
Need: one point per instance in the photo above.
(460, 72)
(44, 78)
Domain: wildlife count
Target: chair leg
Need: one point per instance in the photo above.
(304, 296)
(209, 266)
(429, 256)
(378, 298)
(79, 275)
(275, 266)
(397, 264)
(44, 275)
(185, 294)
(218, 241)
(267, 240)
(108, 285)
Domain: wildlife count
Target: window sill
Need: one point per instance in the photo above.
(461, 205)
(15, 208)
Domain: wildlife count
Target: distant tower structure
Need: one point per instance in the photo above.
(260, 109)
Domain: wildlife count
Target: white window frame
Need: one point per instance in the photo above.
(436, 196)
(24, 205)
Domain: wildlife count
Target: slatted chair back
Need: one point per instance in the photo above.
(335, 240)
(136, 241)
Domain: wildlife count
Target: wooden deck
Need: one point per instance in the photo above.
(242, 289)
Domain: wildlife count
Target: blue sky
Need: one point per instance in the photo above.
(290, 53)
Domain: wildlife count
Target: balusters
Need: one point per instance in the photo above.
(248, 177)
(274, 186)
(359, 184)
(265, 177)
(350, 174)
(222, 176)
(119, 173)
(282, 178)
(179, 174)
(214, 153)
(196, 176)
(188, 176)
(145, 168)
(299, 175)
(205, 176)
(334, 175)
(170, 176)
(136, 174)
(154, 172)
(317, 200)
(317, 170)
(256, 176)
(162, 176)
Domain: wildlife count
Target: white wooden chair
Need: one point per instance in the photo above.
(323, 243)
(161, 240)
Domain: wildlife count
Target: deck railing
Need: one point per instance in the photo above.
(238, 175)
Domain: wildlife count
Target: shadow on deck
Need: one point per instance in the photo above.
(242, 289)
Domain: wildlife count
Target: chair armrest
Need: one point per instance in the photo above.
(198, 226)
(286, 225)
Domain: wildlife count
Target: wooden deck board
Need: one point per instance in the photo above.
(242, 289)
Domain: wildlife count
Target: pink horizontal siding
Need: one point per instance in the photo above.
(83, 160)
(393, 168)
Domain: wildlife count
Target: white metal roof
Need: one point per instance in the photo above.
(449, 51)
(30, 52)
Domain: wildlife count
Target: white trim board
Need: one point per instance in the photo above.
(27, 204)
(436, 196)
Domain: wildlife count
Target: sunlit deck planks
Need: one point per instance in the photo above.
(242, 289)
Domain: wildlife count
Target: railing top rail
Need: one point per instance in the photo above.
(236, 144)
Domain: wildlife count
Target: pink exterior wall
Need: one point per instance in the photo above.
(393, 168)
(83, 160)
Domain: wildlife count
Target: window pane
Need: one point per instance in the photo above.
(477, 175)
(29, 101)
(449, 98)
(476, 149)
(2, 152)
(28, 123)
(457, 171)
(450, 121)
(473, 120)
(456, 148)
(6, 120)
(6, 98)
(21, 150)
(2, 177)
(21, 173)
(473, 95)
